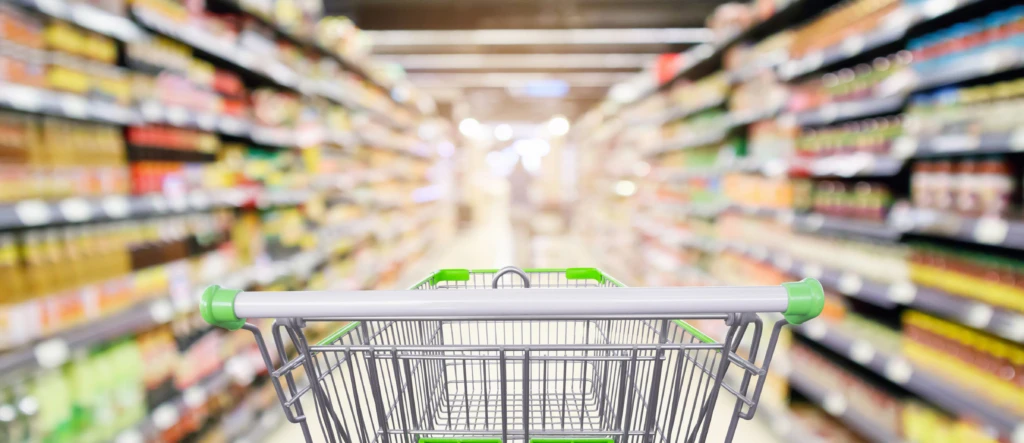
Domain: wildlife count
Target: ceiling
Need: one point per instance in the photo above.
(525, 60)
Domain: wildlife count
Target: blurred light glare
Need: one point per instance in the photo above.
(558, 125)
(532, 163)
(533, 147)
(469, 127)
(625, 188)
(641, 169)
(503, 132)
(445, 149)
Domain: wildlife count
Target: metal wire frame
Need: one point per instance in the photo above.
(631, 380)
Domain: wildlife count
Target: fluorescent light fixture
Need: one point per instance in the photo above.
(558, 125)
(448, 62)
(517, 37)
(514, 79)
(503, 132)
(469, 127)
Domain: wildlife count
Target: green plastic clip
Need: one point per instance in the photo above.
(806, 300)
(218, 308)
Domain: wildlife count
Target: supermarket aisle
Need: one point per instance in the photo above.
(489, 245)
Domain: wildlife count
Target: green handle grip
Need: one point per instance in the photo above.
(806, 300)
(218, 308)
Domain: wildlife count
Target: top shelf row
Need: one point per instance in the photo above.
(701, 61)
(126, 29)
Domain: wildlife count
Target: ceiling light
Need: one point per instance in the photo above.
(469, 127)
(503, 132)
(558, 125)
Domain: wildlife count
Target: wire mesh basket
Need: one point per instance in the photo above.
(517, 356)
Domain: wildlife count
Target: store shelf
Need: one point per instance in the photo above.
(54, 350)
(982, 230)
(678, 112)
(835, 112)
(33, 213)
(1002, 322)
(837, 225)
(785, 426)
(836, 404)
(273, 70)
(889, 30)
(969, 68)
(44, 101)
(900, 371)
(88, 17)
(847, 165)
(681, 143)
(961, 144)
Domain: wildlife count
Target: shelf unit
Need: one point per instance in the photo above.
(690, 206)
(351, 236)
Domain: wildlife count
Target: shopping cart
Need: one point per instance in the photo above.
(529, 362)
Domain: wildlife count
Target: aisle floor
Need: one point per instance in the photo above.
(490, 245)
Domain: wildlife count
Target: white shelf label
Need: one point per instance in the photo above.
(814, 222)
(130, 436)
(240, 370)
(159, 203)
(1014, 328)
(115, 206)
(162, 311)
(21, 97)
(165, 416)
(903, 292)
(56, 8)
(195, 396)
(812, 270)
(850, 283)
(52, 353)
(177, 116)
(835, 404)
(862, 352)
(74, 107)
(206, 121)
(1017, 140)
(816, 329)
(783, 262)
(978, 315)
(991, 231)
(75, 210)
(904, 147)
(152, 111)
(853, 45)
(32, 212)
(899, 371)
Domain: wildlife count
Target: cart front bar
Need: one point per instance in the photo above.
(798, 301)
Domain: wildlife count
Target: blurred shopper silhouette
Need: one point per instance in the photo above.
(521, 212)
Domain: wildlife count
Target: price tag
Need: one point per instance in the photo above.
(32, 212)
(760, 253)
(813, 62)
(178, 203)
(812, 270)
(850, 283)
(956, 143)
(814, 222)
(75, 210)
(1014, 328)
(206, 121)
(52, 353)
(152, 111)
(815, 330)
(899, 371)
(195, 396)
(240, 370)
(177, 116)
(785, 217)
(116, 206)
(978, 315)
(991, 231)
(55, 8)
(862, 352)
(162, 311)
(130, 436)
(23, 98)
(903, 292)
(783, 262)
(835, 404)
(74, 107)
(159, 203)
(904, 147)
(199, 200)
(165, 416)
(853, 45)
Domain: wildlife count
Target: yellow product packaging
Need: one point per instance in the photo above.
(968, 286)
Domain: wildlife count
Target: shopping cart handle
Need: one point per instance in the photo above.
(797, 301)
